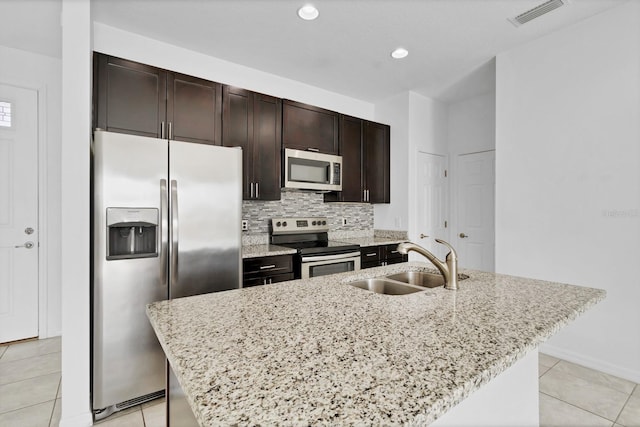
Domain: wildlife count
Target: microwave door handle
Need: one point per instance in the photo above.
(315, 150)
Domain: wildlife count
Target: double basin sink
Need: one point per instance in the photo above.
(403, 283)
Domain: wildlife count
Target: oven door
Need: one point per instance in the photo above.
(321, 265)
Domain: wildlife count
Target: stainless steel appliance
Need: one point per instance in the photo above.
(317, 255)
(166, 224)
(310, 170)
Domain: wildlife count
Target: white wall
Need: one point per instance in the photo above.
(76, 133)
(472, 124)
(116, 42)
(43, 73)
(568, 177)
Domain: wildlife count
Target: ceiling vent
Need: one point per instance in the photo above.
(537, 12)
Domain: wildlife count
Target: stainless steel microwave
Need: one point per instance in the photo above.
(310, 170)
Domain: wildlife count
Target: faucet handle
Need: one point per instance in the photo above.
(453, 251)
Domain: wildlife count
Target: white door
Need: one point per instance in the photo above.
(433, 203)
(18, 213)
(475, 238)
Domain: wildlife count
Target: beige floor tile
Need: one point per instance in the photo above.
(153, 402)
(636, 392)
(28, 392)
(546, 360)
(55, 417)
(133, 419)
(554, 412)
(542, 369)
(119, 414)
(630, 415)
(31, 416)
(155, 415)
(31, 349)
(598, 377)
(3, 348)
(595, 398)
(18, 370)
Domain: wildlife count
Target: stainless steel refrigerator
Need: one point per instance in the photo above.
(166, 224)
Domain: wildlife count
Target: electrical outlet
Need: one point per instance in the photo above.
(344, 221)
(245, 225)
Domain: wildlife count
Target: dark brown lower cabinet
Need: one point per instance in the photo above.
(267, 270)
(377, 256)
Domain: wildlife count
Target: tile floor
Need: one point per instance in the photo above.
(570, 395)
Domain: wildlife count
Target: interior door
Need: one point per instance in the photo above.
(475, 239)
(18, 213)
(433, 203)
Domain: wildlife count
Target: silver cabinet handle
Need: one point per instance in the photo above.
(252, 190)
(174, 232)
(162, 130)
(164, 231)
(372, 254)
(423, 236)
(27, 245)
(265, 267)
(170, 130)
(257, 191)
(28, 230)
(463, 236)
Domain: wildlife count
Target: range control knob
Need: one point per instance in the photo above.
(278, 224)
(324, 222)
(313, 223)
(284, 224)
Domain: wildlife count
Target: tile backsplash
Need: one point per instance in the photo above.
(298, 203)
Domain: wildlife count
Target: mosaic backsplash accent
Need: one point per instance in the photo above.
(298, 203)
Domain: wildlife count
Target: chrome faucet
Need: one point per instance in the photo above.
(448, 268)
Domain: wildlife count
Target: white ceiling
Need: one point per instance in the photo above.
(347, 49)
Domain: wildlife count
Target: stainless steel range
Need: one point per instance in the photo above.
(317, 255)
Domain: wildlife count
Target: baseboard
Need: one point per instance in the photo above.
(589, 362)
(82, 420)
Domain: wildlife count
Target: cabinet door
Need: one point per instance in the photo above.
(377, 165)
(128, 97)
(305, 127)
(194, 109)
(351, 150)
(237, 126)
(369, 256)
(267, 146)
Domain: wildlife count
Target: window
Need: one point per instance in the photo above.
(5, 114)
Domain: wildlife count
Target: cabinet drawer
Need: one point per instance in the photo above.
(268, 266)
(391, 252)
(266, 280)
(369, 255)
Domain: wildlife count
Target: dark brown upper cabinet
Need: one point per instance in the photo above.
(377, 162)
(253, 121)
(364, 147)
(139, 99)
(194, 109)
(305, 127)
(128, 97)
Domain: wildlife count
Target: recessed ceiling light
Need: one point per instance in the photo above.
(308, 12)
(399, 53)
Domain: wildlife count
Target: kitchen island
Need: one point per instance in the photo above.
(319, 351)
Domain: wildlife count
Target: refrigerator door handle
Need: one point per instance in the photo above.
(164, 231)
(174, 232)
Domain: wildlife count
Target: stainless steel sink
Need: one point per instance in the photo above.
(387, 287)
(422, 278)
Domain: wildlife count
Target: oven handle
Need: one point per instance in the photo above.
(330, 257)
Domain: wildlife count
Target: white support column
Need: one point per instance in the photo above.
(76, 131)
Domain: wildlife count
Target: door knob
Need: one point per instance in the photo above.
(28, 230)
(423, 236)
(463, 236)
(27, 245)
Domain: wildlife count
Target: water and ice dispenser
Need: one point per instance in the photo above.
(132, 233)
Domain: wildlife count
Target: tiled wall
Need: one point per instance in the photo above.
(297, 203)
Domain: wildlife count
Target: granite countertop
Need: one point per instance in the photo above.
(256, 251)
(319, 351)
